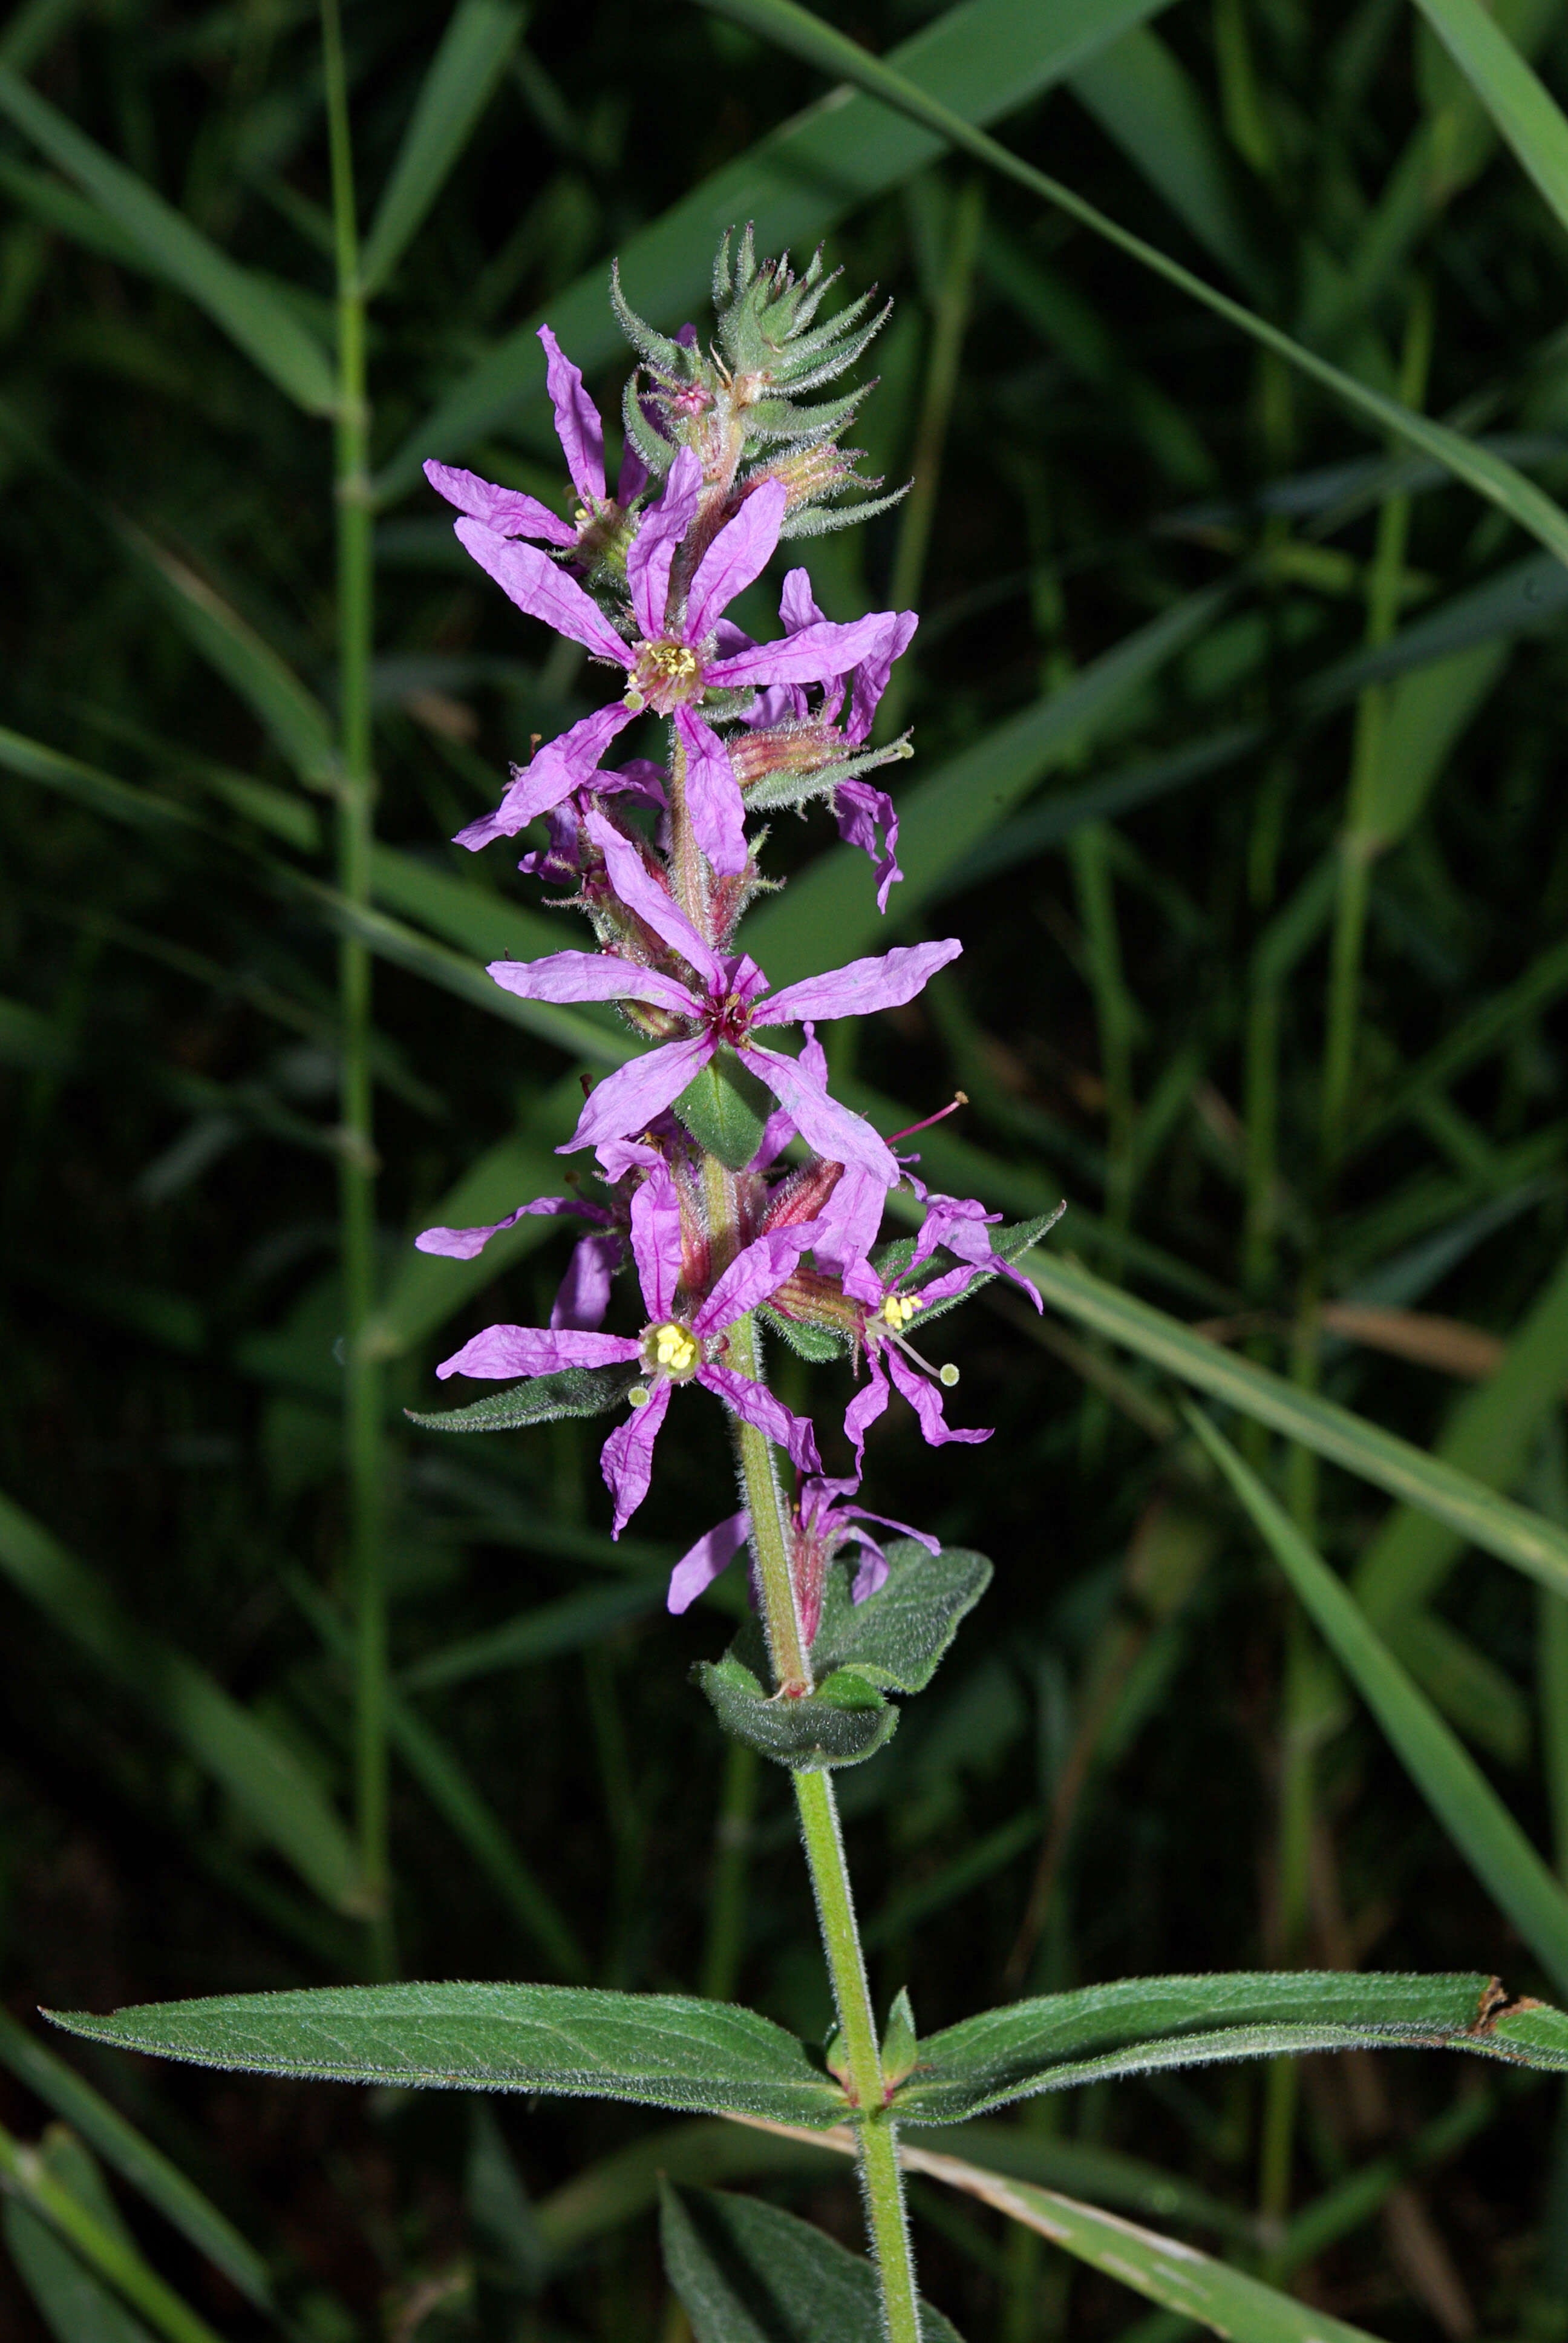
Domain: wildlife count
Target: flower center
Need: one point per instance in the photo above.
(731, 1019)
(898, 1309)
(671, 1349)
(665, 676)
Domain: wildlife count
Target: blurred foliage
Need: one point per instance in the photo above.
(1239, 774)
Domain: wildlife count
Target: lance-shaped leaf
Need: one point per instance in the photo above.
(248, 309)
(844, 1720)
(472, 57)
(750, 2273)
(726, 1108)
(1103, 2032)
(659, 2050)
(538, 1399)
(897, 1637)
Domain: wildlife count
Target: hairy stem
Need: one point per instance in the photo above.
(364, 1459)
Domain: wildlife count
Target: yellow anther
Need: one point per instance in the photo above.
(673, 661)
(671, 1347)
(898, 1309)
(582, 516)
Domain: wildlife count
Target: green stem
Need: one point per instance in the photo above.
(723, 1953)
(364, 1459)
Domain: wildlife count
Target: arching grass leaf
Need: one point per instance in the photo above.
(463, 73)
(749, 2272)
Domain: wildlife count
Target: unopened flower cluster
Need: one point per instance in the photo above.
(721, 462)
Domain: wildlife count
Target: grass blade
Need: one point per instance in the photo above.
(259, 1771)
(463, 71)
(1447, 1776)
(255, 317)
(795, 29)
(1511, 91)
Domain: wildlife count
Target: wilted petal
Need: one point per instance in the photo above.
(502, 1351)
(861, 811)
(872, 1575)
(659, 532)
(932, 1545)
(757, 1405)
(625, 1101)
(712, 795)
(592, 976)
(583, 1295)
(795, 605)
(883, 981)
(756, 1270)
(656, 1241)
(926, 1401)
(835, 1134)
(626, 1460)
(537, 584)
(819, 653)
(961, 1225)
(508, 511)
(870, 676)
(617, 1157)
(467, 1244)
(701, 1564)
(578, 425)
(739, 554)
(863, 1284)
(640, 891)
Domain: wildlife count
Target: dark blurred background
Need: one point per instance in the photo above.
(1186, 628)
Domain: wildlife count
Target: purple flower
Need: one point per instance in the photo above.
(676, 657)
(889, 1351)
(584, 1294)
(726, 1002)
(672, 1348)
(510, 513)
(820, 1522)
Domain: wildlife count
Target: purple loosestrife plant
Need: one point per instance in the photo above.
(738, 1188)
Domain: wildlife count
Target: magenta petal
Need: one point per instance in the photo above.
(851, 1218)
(865, 1406)
(562, 765)
(870, 676)
(633, 476)
(659, 532)
(625, 1103)
(641, 892)
(467, 1244)
(536, 1351)
(739, 554)
(926, 1401)
(872, 1575)
(837, 1135)
(860, 810)
(626, 1460)
(757, 1405)
(756, 1270)
(656, 1241)
(795, 607)
(701, 1564)
(578, 425)
(819, 653)
(712, 795)
(592, 976)
(508, 511)
(583, 1295)
(932, 1545)
(537, 584)
(883, 981)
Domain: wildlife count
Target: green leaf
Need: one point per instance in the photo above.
(540, 1399)
(820, 1344)
(542, 1633)
(1443, 1770)
(1425, 713)
(76, 2306)
(806, 36)
(748, 2272)
(143, 2167)
(659, 2050)
(843, 1722)
(58, 2186)
(1146, 2024)
(1511, 92)
(261, 1773)
(1177, 2276)
(898, 1637)
(725, 1108)
(831, 911)
(1148, 103)
(258, 320)
(463, 71)
(1531, 1544)
(987, 56)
